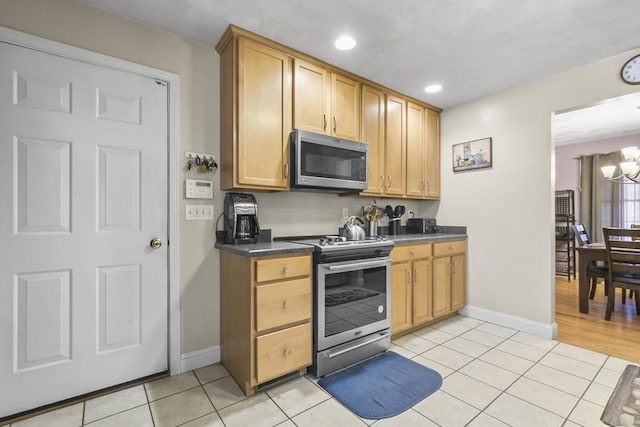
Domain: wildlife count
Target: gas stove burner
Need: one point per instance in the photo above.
(342, 241)
(331, 240)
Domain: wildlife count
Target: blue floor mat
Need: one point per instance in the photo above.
(383, 386)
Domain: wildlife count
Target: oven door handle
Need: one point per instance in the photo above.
(362, 344)
(357, 265)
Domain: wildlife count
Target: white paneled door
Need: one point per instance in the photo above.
(83, 191)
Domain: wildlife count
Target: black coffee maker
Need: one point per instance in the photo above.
(241, 218)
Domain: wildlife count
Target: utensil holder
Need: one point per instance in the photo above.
(394, 226)
(372, 228)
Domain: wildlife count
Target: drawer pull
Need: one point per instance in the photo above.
(286, 304)
(451, 247)
(287, 352)
(287, 269)
(412, 252)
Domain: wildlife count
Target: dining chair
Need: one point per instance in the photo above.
(623, 258)
(597, 270)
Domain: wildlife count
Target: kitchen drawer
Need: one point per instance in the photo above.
(282, 352)
(448, 248)
(282, 303)
(410, 252)
(282, 268)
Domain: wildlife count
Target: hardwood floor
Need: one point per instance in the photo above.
(619, 337)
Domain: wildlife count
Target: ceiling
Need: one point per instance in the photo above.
(611, 118)
(472, 47)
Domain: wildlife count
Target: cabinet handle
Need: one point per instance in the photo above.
(335, 124)
(381, 182)
(286, 304)
(409, 277)
(453, 268)
(388, 181)
(422, 185)
(412, 252)
(287, 351)
(324, 122)
(428, 185)
(415, 275)
(448, 268)
(287, 269)
(286, 170)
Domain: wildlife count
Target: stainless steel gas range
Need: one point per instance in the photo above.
(352, 300)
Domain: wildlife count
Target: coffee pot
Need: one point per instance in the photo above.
(241, 218)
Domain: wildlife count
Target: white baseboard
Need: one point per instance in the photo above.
(543, 330)
(199, 358)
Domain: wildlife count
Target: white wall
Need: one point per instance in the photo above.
(509, 209)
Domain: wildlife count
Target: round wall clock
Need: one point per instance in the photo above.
(630, 71)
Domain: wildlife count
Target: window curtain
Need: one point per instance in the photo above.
(599, 198)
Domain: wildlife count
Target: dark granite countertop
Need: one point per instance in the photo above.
(265, 248)
(401, 239)
(284, 248)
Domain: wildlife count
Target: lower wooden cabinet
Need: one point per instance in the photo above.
(265, 316)
(428, 282)
(410, 286)
(281, 352)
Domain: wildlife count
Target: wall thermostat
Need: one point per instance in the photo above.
(199, 189)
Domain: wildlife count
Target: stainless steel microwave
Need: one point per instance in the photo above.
(325, 163)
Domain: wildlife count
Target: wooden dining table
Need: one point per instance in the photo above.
(586, 255)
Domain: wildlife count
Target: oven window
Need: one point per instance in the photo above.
(354, 299)
(331, 162)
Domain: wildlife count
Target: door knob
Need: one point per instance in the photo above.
(155, 243)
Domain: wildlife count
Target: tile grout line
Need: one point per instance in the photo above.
(550, 350)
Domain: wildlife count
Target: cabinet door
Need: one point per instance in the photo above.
(395, 145)
(264, 91)
(432, 157)
(415, 150)
(373, 104)
(311, 97)
(458, 281)
(400, 297)
(422, 292)
(345, 107)
(441, 286)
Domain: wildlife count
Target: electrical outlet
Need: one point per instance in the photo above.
(345, 213)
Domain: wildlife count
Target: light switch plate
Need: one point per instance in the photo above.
(199, 212)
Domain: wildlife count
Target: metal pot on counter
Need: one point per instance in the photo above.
(353, 231)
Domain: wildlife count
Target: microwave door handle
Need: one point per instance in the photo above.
(357, 265)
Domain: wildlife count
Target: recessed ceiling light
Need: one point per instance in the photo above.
(345, 43)
(433, 88)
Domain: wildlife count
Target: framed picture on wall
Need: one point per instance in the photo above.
(472, 155)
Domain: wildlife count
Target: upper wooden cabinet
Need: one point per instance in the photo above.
(423, 152)
(267, 89)
(373, 108)
(325, 102)
(416, 182)
(384, 129)
(395, 180)
(432, 154)
(255, 116)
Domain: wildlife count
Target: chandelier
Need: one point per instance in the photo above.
(630, 167)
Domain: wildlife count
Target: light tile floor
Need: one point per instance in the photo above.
(493, 376)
